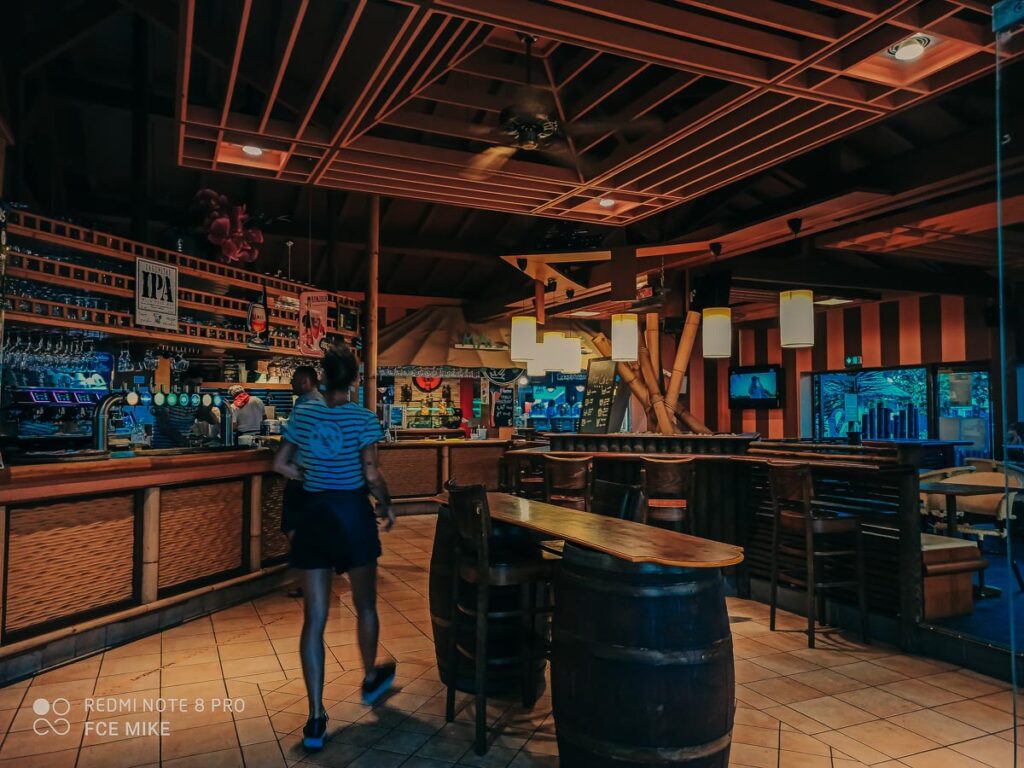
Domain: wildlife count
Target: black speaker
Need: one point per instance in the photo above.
(711, 290)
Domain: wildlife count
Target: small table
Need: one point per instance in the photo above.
(951, 491)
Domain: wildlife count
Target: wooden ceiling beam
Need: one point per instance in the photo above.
(286, 56)
(770, 13)
(624, 73)
(679, 21)
(229, 93)
(470, 98)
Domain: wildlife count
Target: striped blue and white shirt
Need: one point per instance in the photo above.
(329, 442)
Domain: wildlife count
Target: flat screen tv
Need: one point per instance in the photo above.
(755, 386)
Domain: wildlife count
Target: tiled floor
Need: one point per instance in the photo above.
(842, 705)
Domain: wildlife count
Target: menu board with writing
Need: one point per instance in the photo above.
(504, 407)
(605, 399)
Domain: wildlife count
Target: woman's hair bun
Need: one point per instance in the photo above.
(340, 367)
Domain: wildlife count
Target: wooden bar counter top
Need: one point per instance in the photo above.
(623, 539)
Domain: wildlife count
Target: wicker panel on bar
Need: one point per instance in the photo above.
(200, 531)
(69, 558)
(411, 471)
(476, 465)
(275, 543)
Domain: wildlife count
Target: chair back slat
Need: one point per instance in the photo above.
(472, 518)
(792, 488)
(617, 500)
(568, 473)
(668, 478)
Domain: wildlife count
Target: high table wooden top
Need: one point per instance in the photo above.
(942, 488)
(623, 539)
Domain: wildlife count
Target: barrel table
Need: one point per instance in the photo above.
(641, 665)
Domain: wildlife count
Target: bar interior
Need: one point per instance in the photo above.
(694, 334)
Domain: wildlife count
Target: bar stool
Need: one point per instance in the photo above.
(804, 528)
(525, 476)
(473, 563)
(567, 481)
(668, 485)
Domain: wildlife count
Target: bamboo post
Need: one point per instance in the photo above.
(372, 304)
(682, 360)
(654, 344)
(661, 412)
(692, 422)
(626, 371)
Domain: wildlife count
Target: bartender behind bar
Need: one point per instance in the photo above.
(246, 411)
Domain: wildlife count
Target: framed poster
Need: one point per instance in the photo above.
(156, 294)
(313, 323)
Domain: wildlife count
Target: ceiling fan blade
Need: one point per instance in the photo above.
(491, 160)
(597, 127)
(560, 154)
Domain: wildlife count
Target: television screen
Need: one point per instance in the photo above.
(755, 387)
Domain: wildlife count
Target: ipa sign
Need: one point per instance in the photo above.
(156, 294)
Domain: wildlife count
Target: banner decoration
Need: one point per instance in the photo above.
(313, 323)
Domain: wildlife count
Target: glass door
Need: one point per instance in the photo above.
(964, 410)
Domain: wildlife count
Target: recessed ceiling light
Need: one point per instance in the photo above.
(833, 302)
(910, 49)
(585, 313)
(605, 202)
(252, 150)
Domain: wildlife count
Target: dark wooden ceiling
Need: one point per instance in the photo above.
(726, 89)
(90, 93)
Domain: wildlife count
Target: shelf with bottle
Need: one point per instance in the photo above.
(66, 271)
(73, 236)
(98, 315)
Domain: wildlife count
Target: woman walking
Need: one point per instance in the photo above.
(332, 447)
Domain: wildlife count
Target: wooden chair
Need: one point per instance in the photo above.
(822, 538)
(626, 502)
(567, 481)
(473, 563)
(526, 476)
(667, 486)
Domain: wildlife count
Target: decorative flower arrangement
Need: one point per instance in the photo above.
(229, 226)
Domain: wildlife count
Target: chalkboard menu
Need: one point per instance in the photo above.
(504, 407)
(605, 399)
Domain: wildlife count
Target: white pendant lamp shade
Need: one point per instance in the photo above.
(524, 338)
(625, 337)
(535, 367)
(552, 350)
(716, 337)
(796, 319)
(571, 358)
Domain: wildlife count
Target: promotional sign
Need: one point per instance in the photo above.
(605, 399)
(156, 294)
(503, 412)
(313, 323)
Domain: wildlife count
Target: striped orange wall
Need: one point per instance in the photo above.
(910, 331)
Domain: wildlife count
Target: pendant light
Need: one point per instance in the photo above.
(796, 319)
(524, 338)
(716, 337)
(625, 337)
(535, 367)
(571, 359)
(552, 350)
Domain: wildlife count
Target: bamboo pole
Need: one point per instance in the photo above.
(654, 344)
(682, 360)
(692, 422)
(666, 425)
(626, 371)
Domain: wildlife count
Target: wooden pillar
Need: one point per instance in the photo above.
(371, 309)
(255, 522)
(538, 301)
(150, 545)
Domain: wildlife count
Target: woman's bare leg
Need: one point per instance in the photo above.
(317, 602)
(364, 597)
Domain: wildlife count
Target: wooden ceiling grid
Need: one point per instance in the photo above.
(405, 87)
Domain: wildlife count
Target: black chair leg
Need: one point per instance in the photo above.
(1016, 572)
(773, 590)
(862, 590)
(482, 595)
(526, 642)
(811, 578)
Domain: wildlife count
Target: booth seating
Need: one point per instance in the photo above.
(823, 538)
(948, 566)
(474, 564)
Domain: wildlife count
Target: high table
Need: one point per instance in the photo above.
(641, 664)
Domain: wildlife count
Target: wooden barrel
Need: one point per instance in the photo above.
(642, 667)
(504, 636)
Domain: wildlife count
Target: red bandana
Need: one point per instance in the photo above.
(240, 400)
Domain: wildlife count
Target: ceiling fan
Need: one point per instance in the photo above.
(530, 123)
